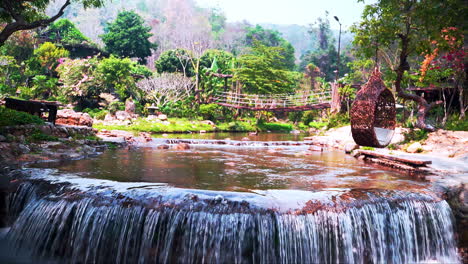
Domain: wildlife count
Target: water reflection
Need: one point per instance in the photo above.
(214, 167)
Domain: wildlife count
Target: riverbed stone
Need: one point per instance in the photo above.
(2, 138)
(413, 148)
(349, 147)
(182, 146)
(164, 146)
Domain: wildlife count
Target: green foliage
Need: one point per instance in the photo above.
(456, 124)
(384, 21)
(32, 13)
(415, 135)
(367, 148)
(9, 117)
(211, 111)
(181, 109)
(10, 75)
(272, 38)
(96, 113)
(116, 75)
(309, 116)
(79, 78)
(64, 31)
(49, 55)
(338, 120)
(318, 125)
(116, 106)
(128, 37)
(174, 126)
(177, 60)
(38, 136)
(263, 71)
(275, 127)
(43, 86)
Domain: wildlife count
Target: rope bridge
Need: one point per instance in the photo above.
(274, 102)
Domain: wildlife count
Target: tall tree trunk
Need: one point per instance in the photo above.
(423, 106)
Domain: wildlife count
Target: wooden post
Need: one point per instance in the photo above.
(336, 100)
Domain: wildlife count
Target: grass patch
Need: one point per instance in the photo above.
(9, 117)
(415, 135)
(318, 125)
(455, 124)
(367, 148)
(174, 126)
(275, 127)
(38, 135)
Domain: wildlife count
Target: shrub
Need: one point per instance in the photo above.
(338, 120)
(211, 111)
(37, 135)
(9, 117)
(456, 124)
(415, 135)
(318, 125)
(275, 127)
(116, 106)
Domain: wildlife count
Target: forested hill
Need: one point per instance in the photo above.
(171, 20)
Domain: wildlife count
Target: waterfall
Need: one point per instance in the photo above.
(82, 229)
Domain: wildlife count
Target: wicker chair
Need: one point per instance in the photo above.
(373, 114)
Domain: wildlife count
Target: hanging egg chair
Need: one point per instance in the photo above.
(373, 114)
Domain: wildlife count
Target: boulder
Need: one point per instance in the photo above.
(162, 117)
(146, 136)
(182, 146)
(163, 146)
(413, 148)
(130, 107)
(109, 117)
(2, 138)
(315, 148)
(122, 115)
(349, 147)
(70, 117)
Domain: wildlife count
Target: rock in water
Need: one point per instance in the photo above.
(182, 146)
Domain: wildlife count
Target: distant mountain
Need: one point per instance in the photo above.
(303, 41)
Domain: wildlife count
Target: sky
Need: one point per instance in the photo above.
(301, 12)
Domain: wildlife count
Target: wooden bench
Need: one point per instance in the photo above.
(34, 107)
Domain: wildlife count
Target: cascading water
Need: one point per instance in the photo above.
(112, 227)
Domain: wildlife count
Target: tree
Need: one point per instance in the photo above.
(272, 38)
(23, 14)
(128, 37)
(177, 60)
(411, 26)
(263, 71)
(64, 31)
(48, 56)
(166, 88)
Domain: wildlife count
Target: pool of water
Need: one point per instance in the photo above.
(260, 136)
(223, 167)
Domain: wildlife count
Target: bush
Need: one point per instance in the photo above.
(37, 135)
(308, 116)
(415, 135)
(338, 120)
(96, 113)
(318, 125)
(211, 111)
(9, 117)
(116, 106)
(454, 123)
(277, 127)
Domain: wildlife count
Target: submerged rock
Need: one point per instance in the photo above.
(182, 146)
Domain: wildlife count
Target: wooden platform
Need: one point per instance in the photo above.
(400, 163)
